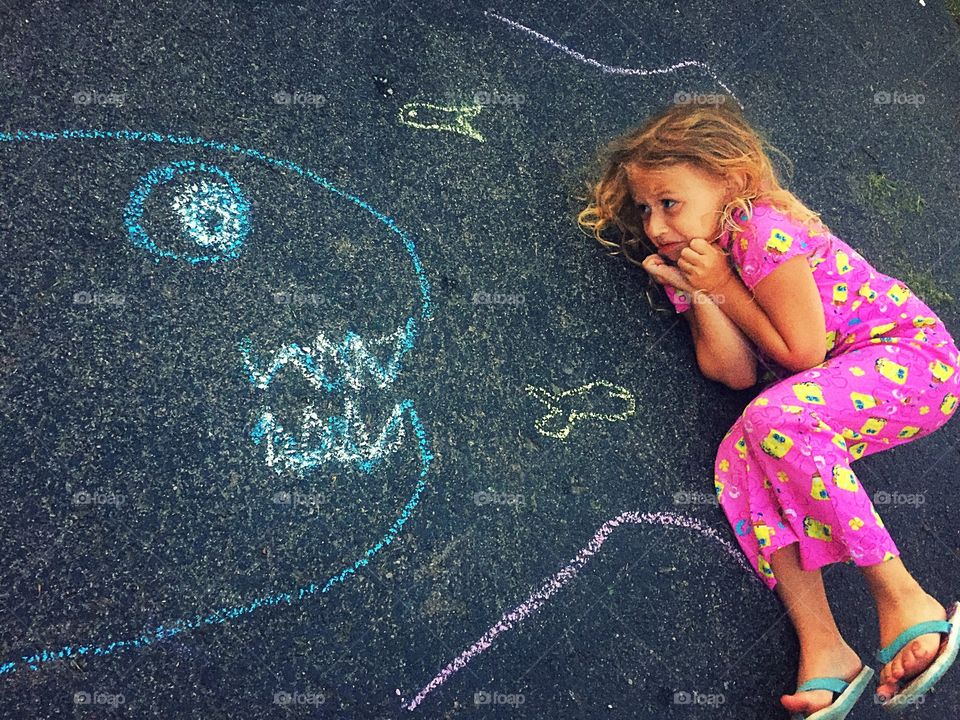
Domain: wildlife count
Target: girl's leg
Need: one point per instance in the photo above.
(772, 548)
(901, 602)
(823, 652)
(844, 525)
(784, 481)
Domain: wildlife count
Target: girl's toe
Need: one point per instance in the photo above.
(886, 690)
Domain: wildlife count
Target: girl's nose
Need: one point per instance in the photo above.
(655, 229)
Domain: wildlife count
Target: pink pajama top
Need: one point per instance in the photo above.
(860, 304)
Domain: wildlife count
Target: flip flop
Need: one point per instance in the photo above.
(849, 692)
(925, 680)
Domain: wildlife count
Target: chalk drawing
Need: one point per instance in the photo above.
(344, 439)
(438, 117)
(560, 406)
(611, 69)
(214, 214)
(353, 358)
(199, 206)
(341, 439)
(567, 573)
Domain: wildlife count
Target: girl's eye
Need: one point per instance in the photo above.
(664, 200)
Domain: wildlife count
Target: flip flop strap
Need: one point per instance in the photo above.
(824, 683)
(890, 651)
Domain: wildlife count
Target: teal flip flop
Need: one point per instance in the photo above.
(849, 692)
(925, 680)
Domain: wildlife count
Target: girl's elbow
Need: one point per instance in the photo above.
(798, 362)
(742, 381)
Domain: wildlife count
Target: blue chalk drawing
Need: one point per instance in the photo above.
(343, 439)
(353, 357)
(201, 205)
(338, 440)
(216, 196)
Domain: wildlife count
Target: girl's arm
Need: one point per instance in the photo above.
(785, 319)
(724, 353)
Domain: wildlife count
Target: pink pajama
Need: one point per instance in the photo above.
(783, 470)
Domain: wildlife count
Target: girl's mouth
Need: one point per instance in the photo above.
(669, 248)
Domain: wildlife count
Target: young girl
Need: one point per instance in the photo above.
(856, 364)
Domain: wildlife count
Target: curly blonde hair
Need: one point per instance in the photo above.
(716, 139)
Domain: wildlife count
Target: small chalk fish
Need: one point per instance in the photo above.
(438, 117)
(564, 406)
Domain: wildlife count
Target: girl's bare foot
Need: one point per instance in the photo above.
(839, 660)
(917, 655)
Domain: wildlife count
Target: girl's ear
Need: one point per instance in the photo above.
(736, 181)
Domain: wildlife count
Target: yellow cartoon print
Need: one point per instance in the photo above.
(898, 293)
(940, 371)
(809, 392)
(844, 478)
(776, 444)
(763, 533)
(863, 401)
(779, 241)
(873, 426)
(816, 529)
(741, 446)
(879, 330)
(843, 263)
(817, 489)
(891, 370)
(764, 566)
(839, 293)
(949, 404)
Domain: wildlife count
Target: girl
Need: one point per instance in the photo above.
(856, 363)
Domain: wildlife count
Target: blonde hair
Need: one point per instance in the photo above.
(715, 139)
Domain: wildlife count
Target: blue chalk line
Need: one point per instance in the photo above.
(227, 202)
(228, 237)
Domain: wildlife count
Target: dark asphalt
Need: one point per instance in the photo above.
(135, 496)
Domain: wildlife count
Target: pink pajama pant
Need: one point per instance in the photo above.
(782, 473)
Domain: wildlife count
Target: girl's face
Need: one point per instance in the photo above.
(677, 203)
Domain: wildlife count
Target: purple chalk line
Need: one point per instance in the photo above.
(561, 578)
(612, 69)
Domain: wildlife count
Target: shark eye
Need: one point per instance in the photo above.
(211, 216)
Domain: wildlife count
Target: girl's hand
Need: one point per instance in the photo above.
(666, 274)
(705, 265)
